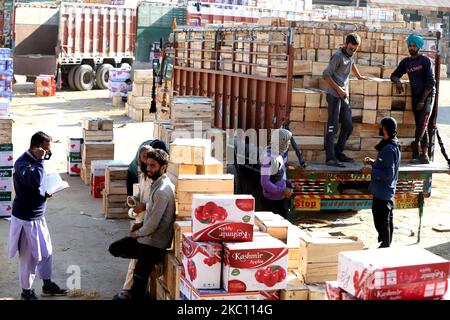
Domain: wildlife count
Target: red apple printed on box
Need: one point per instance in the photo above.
(201, 263)
(260, 265)
(223, 217)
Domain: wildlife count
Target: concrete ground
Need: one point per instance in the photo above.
(81, 235)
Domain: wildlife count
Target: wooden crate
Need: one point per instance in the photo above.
(302, 67)
(295, 289)
(180, 227)
(370, 102)
(370, 87)
(187, 109)
(89, 123)
(114, 210)
(145, 76)
(369, 116)
(319, 255)
(276, 228)
(190, 151)
(319, 68)
(172, 275)
(97, 135)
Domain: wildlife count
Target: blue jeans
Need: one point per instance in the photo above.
(338, 111)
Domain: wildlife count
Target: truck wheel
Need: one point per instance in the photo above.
(102, 76)
(71, 78)
(84, 77)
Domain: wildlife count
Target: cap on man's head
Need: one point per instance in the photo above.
(418, 40)
(390, 124)
(158, 144)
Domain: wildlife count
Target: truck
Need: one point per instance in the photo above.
(250, 72)
(77, 43)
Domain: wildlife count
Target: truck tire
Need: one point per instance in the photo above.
(84, 77)
(71, 78)
(102, 76)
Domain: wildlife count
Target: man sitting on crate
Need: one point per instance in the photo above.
(421, 76)
(336, 76)
(147, 241)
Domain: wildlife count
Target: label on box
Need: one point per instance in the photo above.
(74, 145)
(5, 208)
(6, 155)
(6, 182)
(202, 263)
(223, 217)
(73, 167)
(401, 272)
(255, 266)
(97, 186)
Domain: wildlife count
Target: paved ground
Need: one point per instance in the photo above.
(81, 235)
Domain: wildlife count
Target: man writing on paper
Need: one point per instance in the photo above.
(28, 233)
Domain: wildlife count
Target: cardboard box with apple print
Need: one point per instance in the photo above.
(223, 217)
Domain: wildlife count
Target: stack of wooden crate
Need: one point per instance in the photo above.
(115, 192)
(319, 255)
(138, 104)
(98, 144)
(185, 111)
(164, 131)
(370, 100)
(193, 170)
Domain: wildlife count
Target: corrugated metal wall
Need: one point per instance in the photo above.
(154, 22)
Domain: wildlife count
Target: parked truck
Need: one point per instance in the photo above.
(250, 73)
(76, 42)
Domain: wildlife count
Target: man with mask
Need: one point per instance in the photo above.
(421, 76)
(337, 76)
(276, 189)
(148, 241)
(28, 233)
(384, 176)
(138, 163)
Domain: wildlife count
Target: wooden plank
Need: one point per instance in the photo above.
(190, 151)
(370, 87)
(212, 166)
(302, 67)
(384, 87)
(369, 116)
(295, 289)
(97, 135)
(384, 102)
(297, 114)
(323, 55)
(376, 59)
(357, 101)
(200, 183)
(356, 86)
(370, 102)
(318, 68)
(177, 169)
(172, 275)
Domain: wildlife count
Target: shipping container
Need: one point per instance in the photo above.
(154, 21)
(77, 42)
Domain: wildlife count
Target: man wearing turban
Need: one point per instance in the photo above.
(421, 76)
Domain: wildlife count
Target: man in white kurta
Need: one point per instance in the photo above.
(28, 233)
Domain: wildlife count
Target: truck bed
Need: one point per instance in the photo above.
(317, 167)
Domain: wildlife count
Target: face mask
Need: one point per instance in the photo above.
(47, 155)
(349, 51)
(380, 132)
